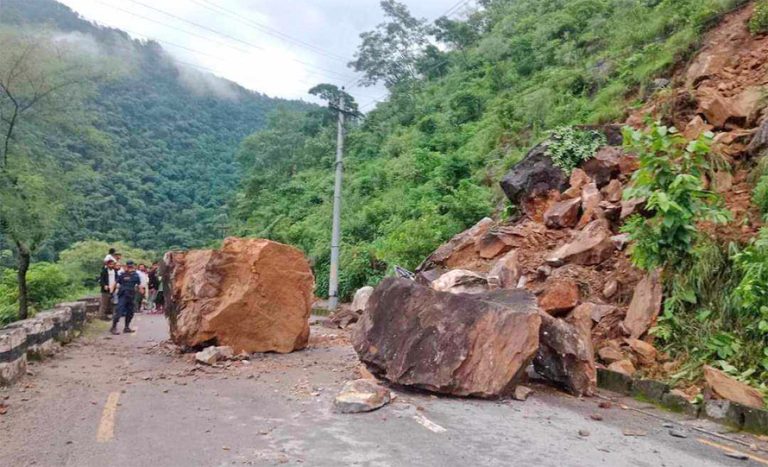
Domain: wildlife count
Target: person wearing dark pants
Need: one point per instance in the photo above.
(107, 286)
(128, 284)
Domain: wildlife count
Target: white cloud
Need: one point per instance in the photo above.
(252, 55)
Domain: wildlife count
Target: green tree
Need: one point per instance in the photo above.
(390, 53)
(335, 96)
(670, 181)
(40, 82)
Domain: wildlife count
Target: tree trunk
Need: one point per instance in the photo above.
(24, 257)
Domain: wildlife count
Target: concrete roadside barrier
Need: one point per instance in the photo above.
(13, 355)
(39, 331)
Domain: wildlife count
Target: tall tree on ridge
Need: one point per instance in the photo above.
(45, 82)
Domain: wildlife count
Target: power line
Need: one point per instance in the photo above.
(230, 37)
(200, 52)
(450, 12)
(268, 30)
(146, 18)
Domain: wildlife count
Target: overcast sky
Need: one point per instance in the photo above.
(320, 36)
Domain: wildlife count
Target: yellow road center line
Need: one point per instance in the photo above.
(758, 459)
(107, 424)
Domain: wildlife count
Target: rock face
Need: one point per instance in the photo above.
(566, 357)
(730, 389)
(253, 295)
(645, 306)
(534, 176)
(465, 345)
(361, 395)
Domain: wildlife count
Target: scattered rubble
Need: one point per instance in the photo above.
(522, 392)
(589, 247)
(343, 318)
(213, 354)
(254, 295)
(361, 395)
(725, 387)
(645, 306)
(560, 296)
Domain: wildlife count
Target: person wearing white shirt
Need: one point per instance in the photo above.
(144, 282)
(112, 256)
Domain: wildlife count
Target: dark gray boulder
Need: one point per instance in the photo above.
(533, 176)
(465, 345)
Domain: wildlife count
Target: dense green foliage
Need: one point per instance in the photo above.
(152, 160)
(48, 284)
(758, 23)
(424, 164)
(670, 181)
(716, 311)
(760, 193)
(73, 276)
(82, 261)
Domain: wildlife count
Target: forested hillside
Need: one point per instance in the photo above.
(152, 154)
(468, 97)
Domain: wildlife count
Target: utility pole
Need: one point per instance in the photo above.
(333, 282)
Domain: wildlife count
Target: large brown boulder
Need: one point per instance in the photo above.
(465, 345)
(253, 295)
(566, 356)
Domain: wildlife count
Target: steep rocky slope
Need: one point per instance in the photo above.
(567, 248)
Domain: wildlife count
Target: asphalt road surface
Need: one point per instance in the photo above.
(131, 400)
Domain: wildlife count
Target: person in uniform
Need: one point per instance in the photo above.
(128, 285)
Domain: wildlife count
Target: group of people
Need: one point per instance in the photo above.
(127, 288)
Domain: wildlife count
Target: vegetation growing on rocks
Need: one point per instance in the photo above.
(759, 21)
(424, 164)
(670, 181)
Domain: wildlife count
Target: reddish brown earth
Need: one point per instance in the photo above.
(722, 89)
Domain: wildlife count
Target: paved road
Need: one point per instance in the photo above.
(129, 400)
